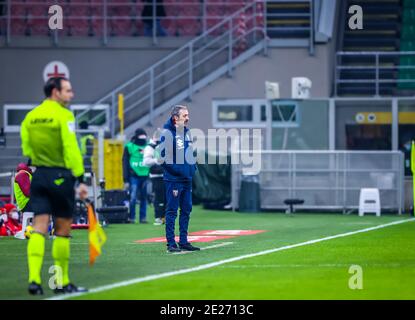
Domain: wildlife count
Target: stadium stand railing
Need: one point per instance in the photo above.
(375, 74)
(407, 43)
(229, 33)
(113, 18)
(328, 180)
(11, 155)
(381, 26)
(6, 184)
(188, 69)
(377, 60)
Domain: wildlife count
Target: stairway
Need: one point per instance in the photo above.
(186, 70)
(407, 75)
(288, 20)
(381, 24)
(380, 33)
(172, 79)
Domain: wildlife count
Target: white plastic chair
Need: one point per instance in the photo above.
(369, 201)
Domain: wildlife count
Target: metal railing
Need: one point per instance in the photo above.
(10, 156)
(326, 179)
(375, 71)
(6, 184)
(104, 18)
(9, 177)
(182, 71)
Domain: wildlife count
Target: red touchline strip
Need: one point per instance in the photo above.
(226, 232)
(189, 238)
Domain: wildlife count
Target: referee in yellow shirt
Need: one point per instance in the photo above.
(49, 141)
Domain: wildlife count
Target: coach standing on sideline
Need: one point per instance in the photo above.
(49, 141)
(176, 152)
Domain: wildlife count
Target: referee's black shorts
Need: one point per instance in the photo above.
(52, 191)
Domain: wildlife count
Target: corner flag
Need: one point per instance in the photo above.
(96, 236)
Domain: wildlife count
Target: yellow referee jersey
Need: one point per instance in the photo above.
(49, 139)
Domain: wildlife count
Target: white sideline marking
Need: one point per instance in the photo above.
(208, 247)
(218, 263)
(327, 265)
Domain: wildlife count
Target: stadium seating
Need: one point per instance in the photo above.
(2, 25)
(120, 21)
(215, 11)
(86, 18)
(379, 34)
(170, 22)
(407, 44)
(38, 18)
(137, 23)
(96, 17)
(77, 22)
(19, 20)
(190, 24)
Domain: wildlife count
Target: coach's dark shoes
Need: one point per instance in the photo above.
(70, 288)
(35, 289)
(188, 247)
(173, 249)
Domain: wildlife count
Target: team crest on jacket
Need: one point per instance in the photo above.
(179, 142)
(175, 193)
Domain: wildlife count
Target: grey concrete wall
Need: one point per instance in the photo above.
(248, 80)
(94, 70)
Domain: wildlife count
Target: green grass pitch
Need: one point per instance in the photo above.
(314, 271)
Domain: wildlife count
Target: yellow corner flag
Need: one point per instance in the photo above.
(96, 236)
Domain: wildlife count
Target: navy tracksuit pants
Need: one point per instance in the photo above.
(178, 194)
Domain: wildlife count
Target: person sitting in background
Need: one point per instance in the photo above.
(152, 160)
(3, 220)
(13, 223)
(9, 220)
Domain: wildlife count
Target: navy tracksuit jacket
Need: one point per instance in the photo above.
(177, 176)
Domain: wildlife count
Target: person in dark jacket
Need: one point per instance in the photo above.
(152, 160)
(179, 165)
(136, 173)
(147, 16)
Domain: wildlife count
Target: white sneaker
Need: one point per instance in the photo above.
(158, 222)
